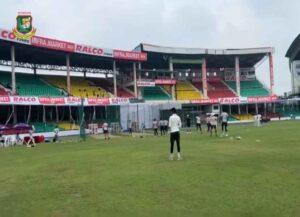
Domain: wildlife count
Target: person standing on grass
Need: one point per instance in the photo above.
(174, 125)
(208, 122)
(166, 126)
(155, 127)
(31, 139)
(224, 119)
(213, 124)
(198, 123)
(188, 124)
(129, 123)
(161, 127)
(56, 132)
(105, 130)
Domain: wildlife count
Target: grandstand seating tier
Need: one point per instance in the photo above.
(186, 91)
(80, 87)
(29, 85)
(250, 88)
(155, 93)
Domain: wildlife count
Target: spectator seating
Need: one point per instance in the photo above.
(80, 87)
(155, 93)
(29, 85)
(108, 86)
(250, 88)
(186, 91)
(3, 92)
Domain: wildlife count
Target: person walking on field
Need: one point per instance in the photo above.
(155, 127)
(174, 125)
(198, 123)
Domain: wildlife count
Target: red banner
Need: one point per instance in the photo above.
(52, 101)
(205, 101)
(165, 81)
(262, 99)
(52, 44)
(145, 83)
(130, 55)
(97, 101)
(4, 99)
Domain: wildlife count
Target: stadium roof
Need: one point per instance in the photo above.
(158, 56)
(47, 51)
(294, 50)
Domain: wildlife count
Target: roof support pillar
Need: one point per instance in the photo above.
(171, 68)
(115, 78)
(237, 75)
(271, 73)
(140, 77)
(204, 78)
(135, 81)
(68, 74)
(13, 73)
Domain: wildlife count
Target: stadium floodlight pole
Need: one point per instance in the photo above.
(171, 68)
(115, 78)
(271, 73)
(204, 78)
(13, 73)
(68, 74)
(134, 80)
(237, 76)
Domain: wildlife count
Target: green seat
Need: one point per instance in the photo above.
(155, 93)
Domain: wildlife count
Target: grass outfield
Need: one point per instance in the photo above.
(258, 175)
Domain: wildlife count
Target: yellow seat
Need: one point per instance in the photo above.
(186, 91)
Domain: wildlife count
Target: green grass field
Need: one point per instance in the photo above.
(258, 175)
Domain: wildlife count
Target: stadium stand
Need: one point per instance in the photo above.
(3, 92)
(68, 126)
(43, 127)
(186, 91)
(80, 87)
(108, 86)
(250, 88)
(155, 93)
(243, 117)
(217, 89)
(29, 85)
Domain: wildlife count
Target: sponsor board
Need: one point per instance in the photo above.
(130, 55)
(165, 81)
(52, 44)
(145, 83)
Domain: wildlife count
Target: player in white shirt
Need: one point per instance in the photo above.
(198, 123)
(174, 125)
(31, 138)
(105, 130)
(213, 124)
(224, 119)
(155, 127)
(56, 132)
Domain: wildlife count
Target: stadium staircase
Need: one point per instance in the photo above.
(29, 85)
(186, 91)
(3, 92)
(80, 87)
(250, 88)
(155, 93)
(108, 86)
(217, 89)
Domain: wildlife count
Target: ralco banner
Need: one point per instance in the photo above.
(71, 47)
(60, 101)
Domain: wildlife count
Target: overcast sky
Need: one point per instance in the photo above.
(183, 23)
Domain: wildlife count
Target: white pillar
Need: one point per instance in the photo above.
(237, 76)
(115, 78)
(140, 77)
(204, 78)
(271, 73)
(68, 74)
(134, 80)
(171, 68)
(13, 73)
